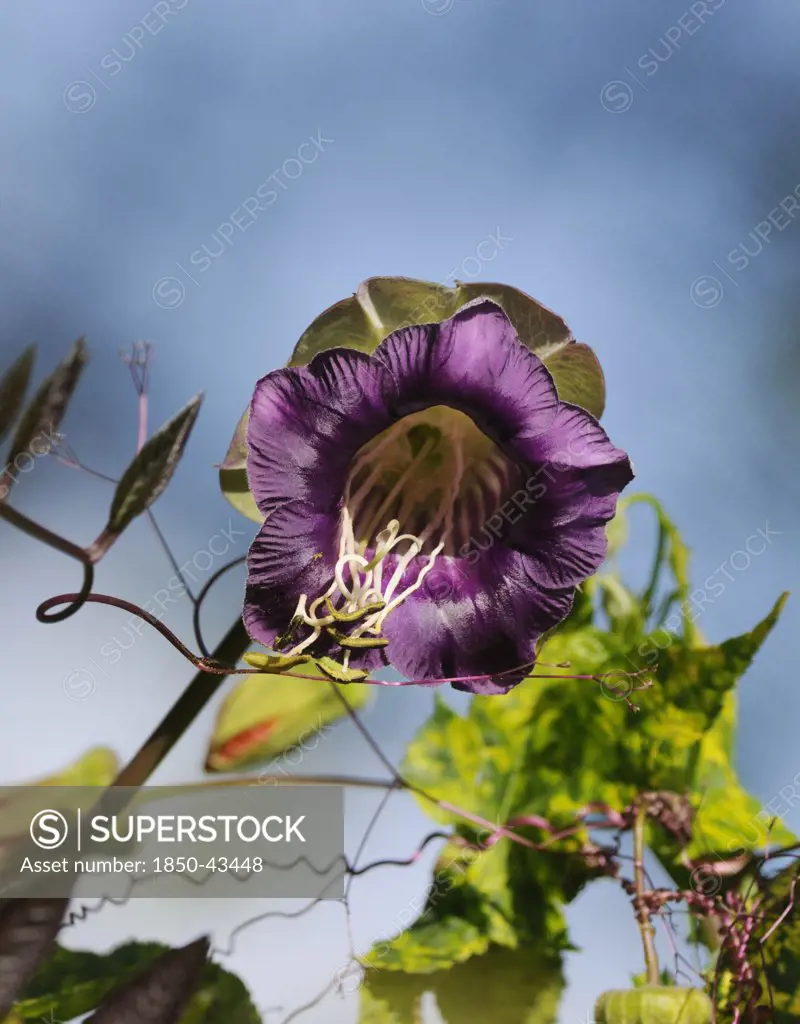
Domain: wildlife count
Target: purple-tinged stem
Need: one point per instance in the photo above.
(41, 533)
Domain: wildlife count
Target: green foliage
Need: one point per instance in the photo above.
(151, 469)
(502, 986)
(778, 973)
(74, 982)
(267, 714)
(728, 820)
(554, 746)
(381, 305)
(233, 476)
(506, 896)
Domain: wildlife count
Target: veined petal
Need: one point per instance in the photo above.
(306, 424)
(575, 440)
(479, 620)
(294, 553)
(473, 362)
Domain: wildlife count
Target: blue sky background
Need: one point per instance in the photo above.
(621, 190)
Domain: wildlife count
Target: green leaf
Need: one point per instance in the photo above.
(13, 385)
(427, 947)
(267, 714)
(502, 986)
(37, 431)
(617, 754)
(233, 474)
(151, 469)
(699, 677)
(672, 553)
(74, 982)
(505, 895)
(511, 756)
(401, 1005)
(781, 965)
(560, 771)
(97, 767)
(448, 759)
(381, 305)
(728, 820)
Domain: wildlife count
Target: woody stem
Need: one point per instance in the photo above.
(642, 913)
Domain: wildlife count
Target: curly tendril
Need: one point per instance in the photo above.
(212, 667)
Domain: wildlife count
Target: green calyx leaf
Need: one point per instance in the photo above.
(381, 305)
(233, 474)
(654, 1004)
(151, 470)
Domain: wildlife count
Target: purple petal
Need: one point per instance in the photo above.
(575, 440)
(306, 424)
(473, 362)
(283, 563)
(479, 620)
(574, 492)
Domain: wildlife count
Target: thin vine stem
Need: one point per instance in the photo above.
(216, 666)
(198, 602)
(642, 913)
(41, 533)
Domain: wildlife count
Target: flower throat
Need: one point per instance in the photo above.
(414, 494)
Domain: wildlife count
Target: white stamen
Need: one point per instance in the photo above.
(309, 640)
